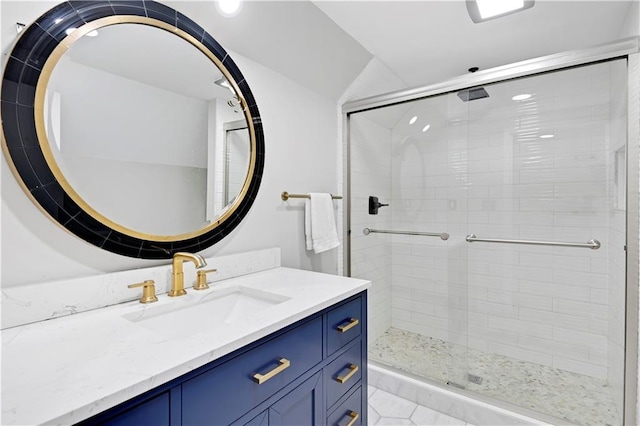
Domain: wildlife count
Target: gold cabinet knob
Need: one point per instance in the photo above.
(148, 291)
(201, 279)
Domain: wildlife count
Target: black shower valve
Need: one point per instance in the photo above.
(374, 205)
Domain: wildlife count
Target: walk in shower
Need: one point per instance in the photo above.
(499, 267)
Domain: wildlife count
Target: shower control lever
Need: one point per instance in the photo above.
(374, 205)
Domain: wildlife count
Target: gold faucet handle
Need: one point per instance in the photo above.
(201, 279)
(148, 291)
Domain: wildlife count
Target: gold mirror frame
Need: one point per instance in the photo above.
(23, 94)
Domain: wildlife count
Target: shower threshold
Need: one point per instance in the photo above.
(577, 398)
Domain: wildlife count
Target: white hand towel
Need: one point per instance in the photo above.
(319, 223)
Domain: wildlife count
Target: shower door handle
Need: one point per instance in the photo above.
(592, 243)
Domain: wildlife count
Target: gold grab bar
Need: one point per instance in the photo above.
(283, 364)
(285, 196)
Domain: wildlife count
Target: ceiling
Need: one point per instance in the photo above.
(427, 41)
(325, 44)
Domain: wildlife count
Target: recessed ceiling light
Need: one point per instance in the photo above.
(482, 10)
(521, 97)
(547, 136)
(413, 119)
(425, 128)
(228, 8)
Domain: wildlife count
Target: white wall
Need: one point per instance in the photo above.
(300, 129)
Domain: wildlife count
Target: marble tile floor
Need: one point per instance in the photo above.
(388, 409)
(576, 398)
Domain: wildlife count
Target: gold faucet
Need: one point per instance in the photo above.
(177, 275)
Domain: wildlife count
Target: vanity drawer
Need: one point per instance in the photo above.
(224, 393)
(350, 412)
(343, 373)
(344, 324)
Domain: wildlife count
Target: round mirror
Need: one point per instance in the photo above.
(148, 140)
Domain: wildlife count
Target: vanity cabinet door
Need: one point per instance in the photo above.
(261, 419)
(301, 406)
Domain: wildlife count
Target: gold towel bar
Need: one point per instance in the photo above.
(285, 196)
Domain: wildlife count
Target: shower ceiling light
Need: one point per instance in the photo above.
(522, 97)
(413, 119)
(483, 10)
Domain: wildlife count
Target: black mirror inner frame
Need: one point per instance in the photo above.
(25, 144)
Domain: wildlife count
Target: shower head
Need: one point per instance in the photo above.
(472, 94)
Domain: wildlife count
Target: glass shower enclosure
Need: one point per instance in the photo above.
(498, 268)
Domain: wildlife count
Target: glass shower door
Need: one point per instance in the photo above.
(546, 320)
(411, 156)
(538, 328)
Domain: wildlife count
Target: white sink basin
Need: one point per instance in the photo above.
(192, 314)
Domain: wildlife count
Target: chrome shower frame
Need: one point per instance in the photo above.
(626, 48)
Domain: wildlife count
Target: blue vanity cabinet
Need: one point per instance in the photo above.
(225, 393)
(158, 409)
(310, 373)
(154, 412)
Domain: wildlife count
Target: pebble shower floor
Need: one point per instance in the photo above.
(577, 398)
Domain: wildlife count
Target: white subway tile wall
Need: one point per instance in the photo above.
(482, 168)
(371, 255)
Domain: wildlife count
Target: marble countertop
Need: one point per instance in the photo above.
(67, 369)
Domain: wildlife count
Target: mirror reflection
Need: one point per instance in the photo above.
(144, 131)
(237, 150)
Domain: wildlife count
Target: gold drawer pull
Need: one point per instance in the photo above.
(353, 369)
(354, 418)
(352, 323)
(261, 378)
